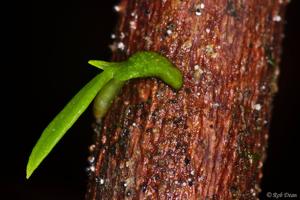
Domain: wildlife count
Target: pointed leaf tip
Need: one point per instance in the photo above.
(64, 120)
(99, 64)
(29, 171)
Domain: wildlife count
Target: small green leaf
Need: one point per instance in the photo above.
(65, 119)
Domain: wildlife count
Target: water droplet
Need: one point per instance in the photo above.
(277, 18)
(132, 25)
(260, 164)
(121, 46)
(91, 159)
(133, 14)
(122, 35)
(128, 193)
(117, 8)
(215, 105)
(257, 107)
(92, 168)
(266, 136)
(252, 191)
(101, 181)
(251, 161)
(169, 32)
(92, 148)
(125, 184)
(199, 7)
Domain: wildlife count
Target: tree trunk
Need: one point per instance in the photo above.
(207, 141)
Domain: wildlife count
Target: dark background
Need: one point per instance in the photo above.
(45, 64)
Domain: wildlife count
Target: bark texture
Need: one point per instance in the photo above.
(207, 141)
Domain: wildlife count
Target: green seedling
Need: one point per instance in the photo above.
(103, 88)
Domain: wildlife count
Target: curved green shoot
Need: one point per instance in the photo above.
(150, 64)
(106, 86)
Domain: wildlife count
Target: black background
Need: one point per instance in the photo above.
(46, 49)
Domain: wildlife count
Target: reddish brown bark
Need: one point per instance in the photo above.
(208, 140)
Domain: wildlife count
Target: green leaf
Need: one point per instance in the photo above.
(65, 119)
(105, 65)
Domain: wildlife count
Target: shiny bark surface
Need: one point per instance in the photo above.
(207, 141)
